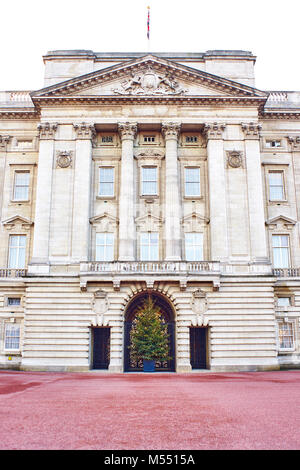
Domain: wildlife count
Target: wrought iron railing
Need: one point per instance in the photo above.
(149, 267)
(7, 272)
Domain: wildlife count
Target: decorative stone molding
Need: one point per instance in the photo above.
(194, 222)
(251, 130)
(17, 221)
(148, 222)
(199, 307)
(214, 130)
(4, 139)
(294, 142)
(100, 306)
(280, 222)
(235, 159)
(64, 159)
(85, 131)
(127, 130)
(116, 284)
(47, 130)
(147, 155)
(183, 284)
(149, 82)
(105, 222)
(170, 130)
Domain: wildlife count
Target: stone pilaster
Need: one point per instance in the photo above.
(255, 192)
(217, 191)
(40, 253)
(127, 233)
(171, 132)
(4, 140)
(84, 134)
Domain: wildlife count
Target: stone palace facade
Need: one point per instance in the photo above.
(164, 174)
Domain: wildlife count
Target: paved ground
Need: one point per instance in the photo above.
(255, 410)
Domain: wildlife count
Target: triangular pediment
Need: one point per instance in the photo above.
(17, 220)
(148, 76)
(281, 221)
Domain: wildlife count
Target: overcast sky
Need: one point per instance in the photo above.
(30, 28)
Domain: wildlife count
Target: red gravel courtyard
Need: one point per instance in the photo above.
(200, 411)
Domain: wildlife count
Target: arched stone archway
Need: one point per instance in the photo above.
(167, 313)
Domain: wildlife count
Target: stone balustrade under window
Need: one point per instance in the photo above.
(151, 267)
(8, 272)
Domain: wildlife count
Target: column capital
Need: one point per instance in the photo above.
(127, 130)
(47, 130)
(84, 131)
(4, 139)
(294, 141)
(171, 130)
(214, 130)
(251, 130)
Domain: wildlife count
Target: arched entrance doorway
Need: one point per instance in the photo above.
(168, 315)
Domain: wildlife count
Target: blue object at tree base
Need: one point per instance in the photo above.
(149, 366)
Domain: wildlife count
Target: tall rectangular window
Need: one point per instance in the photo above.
(12, 336)
(286, 335)
(149, 180)
(21, 186)
(281, 255)
(276, 186)
(192, 181)
(104, 246)
(17, 251)
(106, 181)
(149, 246)
(194, 246)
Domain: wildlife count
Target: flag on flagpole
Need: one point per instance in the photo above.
(148, 24)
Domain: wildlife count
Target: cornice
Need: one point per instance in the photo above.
(145, 99)
(20, 114)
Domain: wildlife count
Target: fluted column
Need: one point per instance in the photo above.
(85, 134)
(217, 191)
(255, 192)
(127, 233)
(40, 252)
(171, 132)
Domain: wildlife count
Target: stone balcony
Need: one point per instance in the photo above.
(286, 272)
(149, 271)
(12, 273)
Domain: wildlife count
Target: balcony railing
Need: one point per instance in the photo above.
(7, 272)
(286, 272)
(151, 267)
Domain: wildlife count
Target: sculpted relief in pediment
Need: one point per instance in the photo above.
(150, 82)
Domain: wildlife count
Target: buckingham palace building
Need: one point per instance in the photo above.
(137, 175)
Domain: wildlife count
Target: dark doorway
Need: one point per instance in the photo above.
(101, 347)
(198, 341)
(168, 316)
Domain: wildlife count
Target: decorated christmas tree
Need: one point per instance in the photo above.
(149, 334)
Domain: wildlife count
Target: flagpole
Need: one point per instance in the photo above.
(148, 29)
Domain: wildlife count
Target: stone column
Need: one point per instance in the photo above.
(255, 193)
(217, 191)
(171, 131)
(4, 139)
(127, 233)
(82, 191)
(40, 252)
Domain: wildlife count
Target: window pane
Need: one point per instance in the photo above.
(12, 336)
(149, 248)
(106, 181)
(149, 180)
(16, 257)
(192, 181)
(281, 257)
(283, 301)
(194, 246)
(21, 186)
(286, 337)
(276, 186)
(104, 247)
